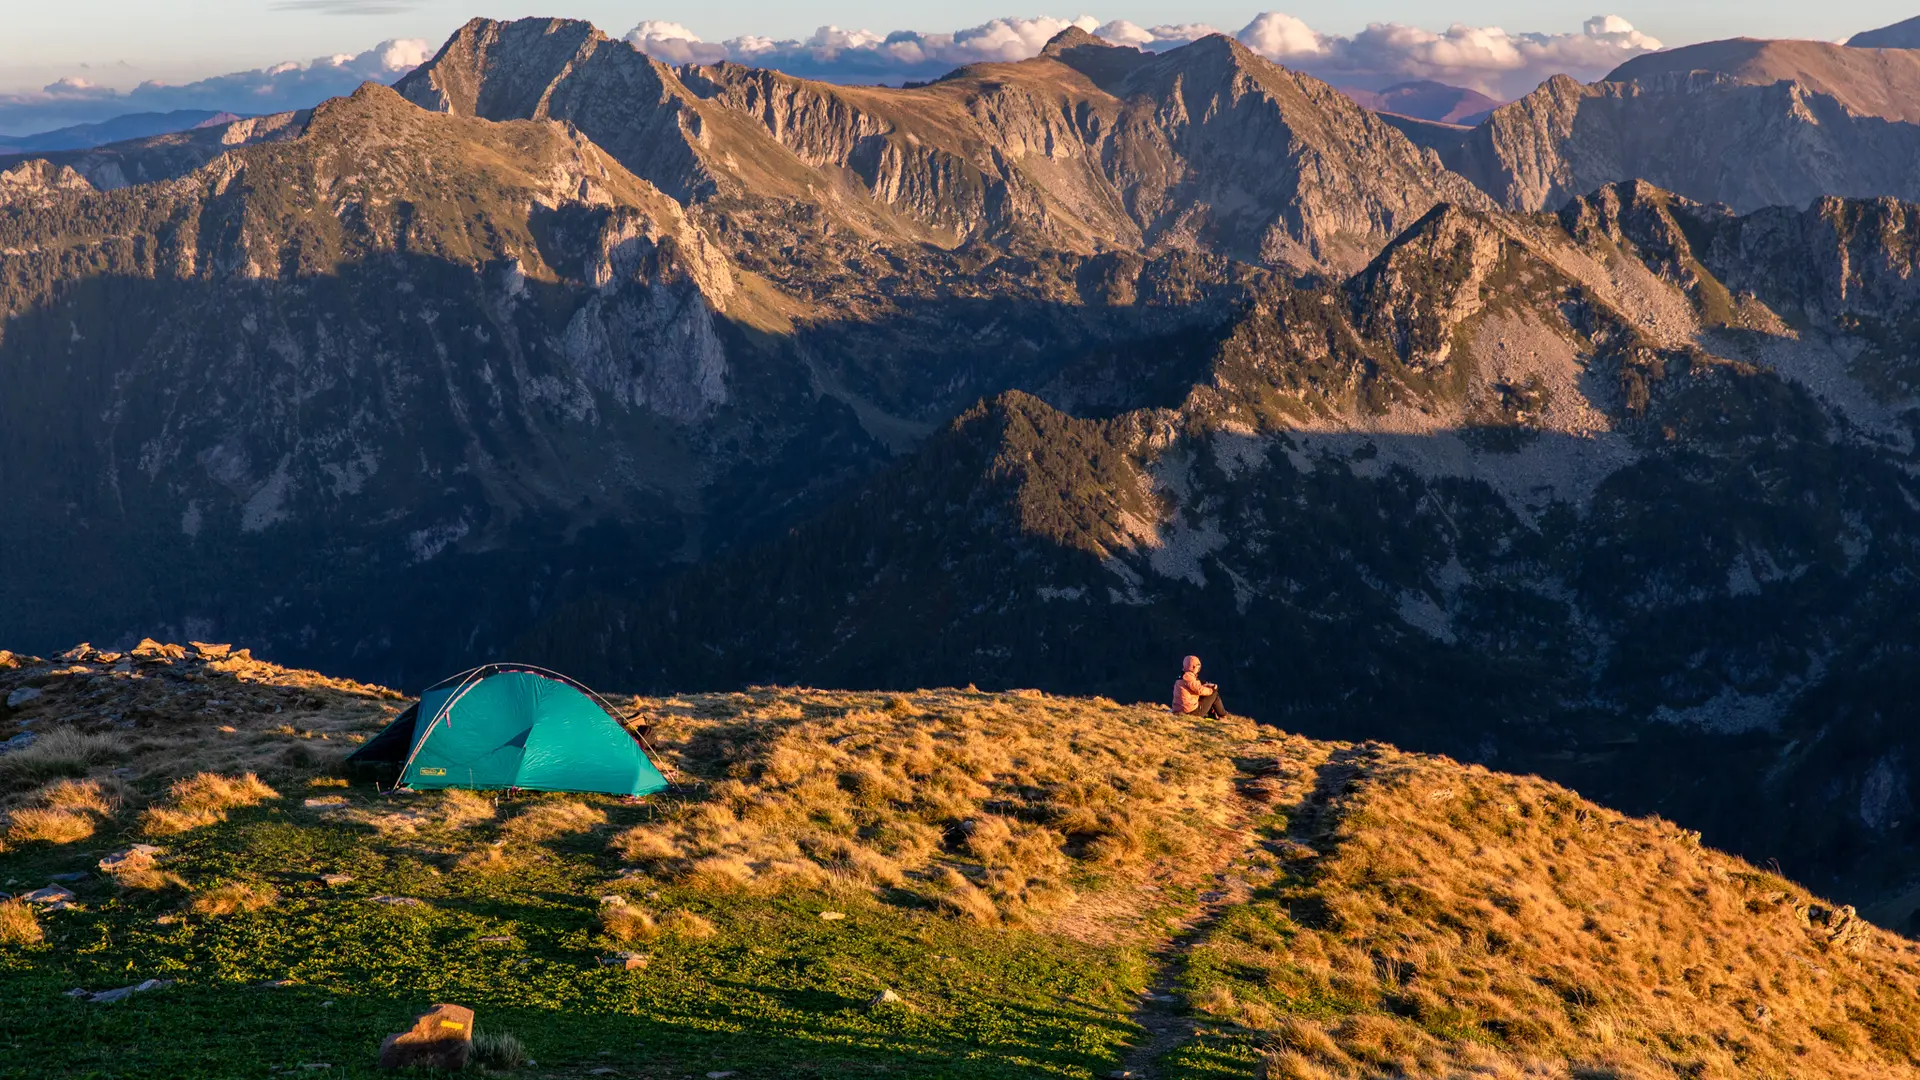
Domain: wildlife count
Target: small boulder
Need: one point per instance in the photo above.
(52, 894)
(832, 916)
(334, 881)
(207, 651)
(137, 857)
(886, 998)
(18, 742)
(440, 1038)
(22, 696)
(626, 961)
(107, 997)
(397, 901)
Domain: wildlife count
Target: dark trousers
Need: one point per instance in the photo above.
(1210, 706)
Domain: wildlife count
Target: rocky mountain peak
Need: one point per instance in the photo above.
(37, 178)
(1073, 37)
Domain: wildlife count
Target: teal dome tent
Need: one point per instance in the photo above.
(510, 726)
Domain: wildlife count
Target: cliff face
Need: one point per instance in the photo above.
(1755, 131)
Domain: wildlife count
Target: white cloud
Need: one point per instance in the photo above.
(1486, 58)
(837, 54)
(264, 90)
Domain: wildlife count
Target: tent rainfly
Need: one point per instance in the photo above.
(510, 726)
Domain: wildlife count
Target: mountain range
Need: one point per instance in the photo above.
(1580, 440)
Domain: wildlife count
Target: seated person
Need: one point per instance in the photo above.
(1191, 697)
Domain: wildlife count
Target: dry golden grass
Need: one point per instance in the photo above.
(233, 898)
(460, 808)
(64, 812)
(992, 806)
(623, 923)
(686, 924)
(64, 751)
(549, 820)
(203, 799)
(1462, 919)
(18, 924)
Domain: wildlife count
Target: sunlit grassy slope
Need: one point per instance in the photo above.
(1049, 887)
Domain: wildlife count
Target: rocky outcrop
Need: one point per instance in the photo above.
(33, 181)
(1712, 136)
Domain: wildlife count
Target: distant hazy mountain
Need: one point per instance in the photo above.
(1746, 123)
(1427, 100)
(1901, 35)
(118, 129)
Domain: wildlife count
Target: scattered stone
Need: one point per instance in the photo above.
(626, 961)
(398, 901)
(107, 997)
(52, 894)
(22, 696)
(334, 881)
(8, 661)
(79, 654)
(495, 939)
(275, 984)
(324, 802)
(77, 875)
(440, 1038)
(886, 997)
(832, 916)
(207, 651)
(77, 992)
(62, 905)
(722, 1075)
(137, 857)
(18, 742)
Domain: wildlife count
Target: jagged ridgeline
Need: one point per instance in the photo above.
(1044, 373)
(948, 883)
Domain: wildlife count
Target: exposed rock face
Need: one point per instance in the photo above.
(28, 181)
(1704, 135)
(169, 156)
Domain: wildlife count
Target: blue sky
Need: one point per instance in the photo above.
(120, 43)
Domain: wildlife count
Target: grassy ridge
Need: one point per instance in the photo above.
(1047, 886)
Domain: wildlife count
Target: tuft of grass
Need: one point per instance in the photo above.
(63, 751)
(551, 820)
(63, 812)
(626, 924)
(18, 924)
(234, 898)
(687, 924)
(460, 808)
(500, 1050)
(204, 799)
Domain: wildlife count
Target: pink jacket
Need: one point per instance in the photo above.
(1187, 692)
